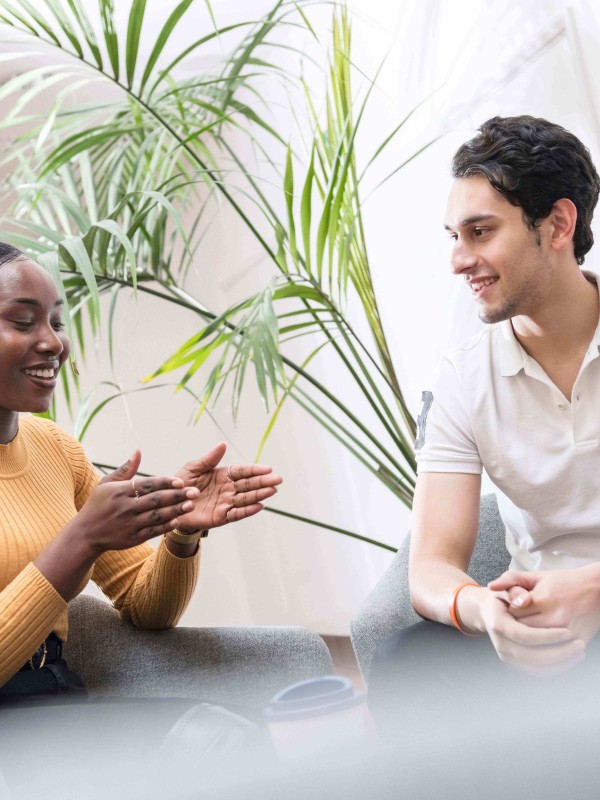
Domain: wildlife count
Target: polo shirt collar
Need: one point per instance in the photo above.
(513, 357)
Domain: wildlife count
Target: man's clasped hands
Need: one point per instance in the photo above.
(541, 622)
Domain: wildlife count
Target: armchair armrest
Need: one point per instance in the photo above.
(388, 609)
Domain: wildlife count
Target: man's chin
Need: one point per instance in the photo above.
(493, 315)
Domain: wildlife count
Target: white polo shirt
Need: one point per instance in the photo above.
(492, 406)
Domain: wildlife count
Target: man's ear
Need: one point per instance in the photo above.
(563, 219)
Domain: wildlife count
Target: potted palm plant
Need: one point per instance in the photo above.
(114, 195)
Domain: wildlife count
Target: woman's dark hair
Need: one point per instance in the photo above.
(9, 253)
(533, 163)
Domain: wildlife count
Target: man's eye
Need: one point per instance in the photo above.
(478, 231)
(453, 236)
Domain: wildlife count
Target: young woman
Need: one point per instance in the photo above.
(61, 526)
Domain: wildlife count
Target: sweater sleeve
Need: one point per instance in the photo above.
(29, 609)
(150, 587)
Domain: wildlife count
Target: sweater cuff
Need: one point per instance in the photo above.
(35, 607)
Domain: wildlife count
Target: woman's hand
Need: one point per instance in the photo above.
(226, 494)
(123, 511)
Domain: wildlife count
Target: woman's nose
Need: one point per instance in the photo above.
(50, 341)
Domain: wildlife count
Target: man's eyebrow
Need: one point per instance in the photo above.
(464, 223)
(30, 301)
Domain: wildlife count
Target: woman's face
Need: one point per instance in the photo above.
(33, 342)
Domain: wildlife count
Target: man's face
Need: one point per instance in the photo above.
(504, 263)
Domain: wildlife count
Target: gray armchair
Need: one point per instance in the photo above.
(234, 665)
(388, 608)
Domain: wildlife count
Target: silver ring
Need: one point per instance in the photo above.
(228, 513)
(136, 494)
(229, 475)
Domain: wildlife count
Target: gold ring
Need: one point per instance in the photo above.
(229, 475)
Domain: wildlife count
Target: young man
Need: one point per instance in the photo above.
(521, 399)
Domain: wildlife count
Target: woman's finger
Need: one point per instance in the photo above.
(236, 514)
(243, 499)
(237, 471)
(148, 485)
(257, 482)
(164, 498)
(126, 471)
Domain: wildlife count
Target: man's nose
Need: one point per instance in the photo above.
(462, 258)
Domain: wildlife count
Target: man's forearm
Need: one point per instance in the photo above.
(432, 587)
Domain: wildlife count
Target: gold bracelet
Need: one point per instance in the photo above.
(187, 538)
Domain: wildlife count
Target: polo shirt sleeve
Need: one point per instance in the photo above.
(445, 440)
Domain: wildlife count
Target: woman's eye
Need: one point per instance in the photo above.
(22, 324)
(58, 326)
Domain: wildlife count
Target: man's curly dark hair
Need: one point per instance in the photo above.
(533, 163)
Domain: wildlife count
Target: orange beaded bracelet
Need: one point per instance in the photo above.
(453, 610)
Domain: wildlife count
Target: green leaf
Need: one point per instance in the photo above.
(36, 16)
(162, 39)
(110, 34)
(306, 211)
(134, 29)
(61, 18)
(112, 227)
(114, 295)
(75, 248)
(333, 528)
(88, 31)
(287, 392)
(288, 188)
(210, 11)
(84, 417)
(49, 261)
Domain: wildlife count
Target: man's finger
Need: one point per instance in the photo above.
(519, 598)
(533, 636)
(526, 580)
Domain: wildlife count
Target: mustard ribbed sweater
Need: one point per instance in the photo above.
(45, 478)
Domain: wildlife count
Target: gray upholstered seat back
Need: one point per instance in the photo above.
(388, 608)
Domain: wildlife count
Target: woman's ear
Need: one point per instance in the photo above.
(563, 219)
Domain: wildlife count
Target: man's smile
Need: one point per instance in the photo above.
(477, 284)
